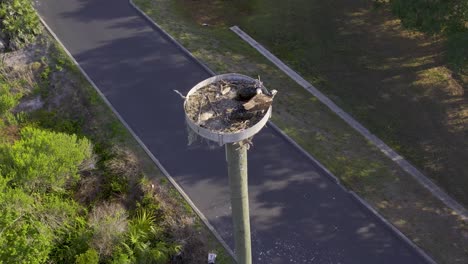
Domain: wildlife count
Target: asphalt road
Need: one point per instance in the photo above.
(298, 214)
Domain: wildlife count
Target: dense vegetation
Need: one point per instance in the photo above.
(72, 189)
(19, 23)
(43, 172)
(35, 209)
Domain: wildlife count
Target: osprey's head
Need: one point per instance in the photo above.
(273, 93)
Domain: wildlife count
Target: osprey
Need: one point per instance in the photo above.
(260, 102)
(246, 93)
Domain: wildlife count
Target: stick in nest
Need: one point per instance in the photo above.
(211, 105)
(199, 111)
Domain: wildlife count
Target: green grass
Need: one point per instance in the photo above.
(397, 82)
(359, 165)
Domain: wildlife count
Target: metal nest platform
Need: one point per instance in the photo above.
(226, 137)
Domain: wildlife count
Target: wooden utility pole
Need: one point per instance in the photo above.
(236, 156)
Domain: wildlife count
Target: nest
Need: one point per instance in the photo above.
(220, 108)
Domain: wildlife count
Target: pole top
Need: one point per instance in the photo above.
(228, 108)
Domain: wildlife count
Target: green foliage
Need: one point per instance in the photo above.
(61, 59)
(45, 74)
(121, 257)
(439, 17)
(145, 242)
(149, 203)
(142, 226)
(57, 210)
(72, 240)
(43, 160)
(39, 220)
(31, 223)
(118, 166)
(19, 22)
(8, 99)
(54, 121)
(89, 257)
(24, 238)
(33, 219)
(114, 185)
(117, 129)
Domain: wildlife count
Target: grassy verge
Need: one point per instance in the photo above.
(121, 190)
(358, 164)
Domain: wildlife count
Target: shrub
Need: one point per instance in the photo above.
(23, 237)
(109, 223)
(72, 240)
(145, 241)
(120, 257)
(43, 160)
(54, 121)
(32, 224)
(123, 163)
(119, 167)
(8, 100)
(89, 257)
(19, 22)
(57, 211)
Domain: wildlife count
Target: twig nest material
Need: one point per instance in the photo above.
(228, 106)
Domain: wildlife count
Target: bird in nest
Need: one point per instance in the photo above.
(260, 102)
(247, 93)
(257, 103)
